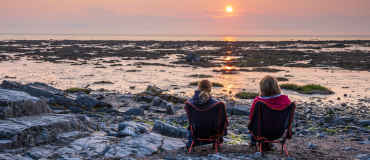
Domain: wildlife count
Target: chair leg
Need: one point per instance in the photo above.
(286, 151)
(256, 148)
(191, 146)
(261, 147)
(282, 146)
(216, 147)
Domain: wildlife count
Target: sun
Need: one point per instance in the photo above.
(229, 9)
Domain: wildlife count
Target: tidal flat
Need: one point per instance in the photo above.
(105, 87)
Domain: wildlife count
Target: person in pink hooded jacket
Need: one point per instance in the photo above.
(270, 93)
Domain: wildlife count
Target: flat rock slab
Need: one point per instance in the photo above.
(100, 146)
(29, 131)
(7, 96)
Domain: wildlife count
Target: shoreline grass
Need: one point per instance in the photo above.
(201, 75)
(246, 95)
(76, 89)
(214, 84)
(309, 88)
(103, 82)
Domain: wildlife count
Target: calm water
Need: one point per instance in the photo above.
(180, 37)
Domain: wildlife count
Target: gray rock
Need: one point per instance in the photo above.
(163, 104)
(148, 98)
(139, 99)
(217, 157)
(145, 106)
(5, 144)
(289, 158)
(257, 155)
(364, 123)
(56, 108)
(153, 89)
(156, 101)
(11, 85)
(313, 117)
(7, 96)
(106, 149)
(140, 146)
(364, 142)
(172, 144)
(321, 135)
(241, 110)
(192, 57)
(135, 111)
(349, 149)
(311, 145)
(170, 158)
(363, 156)
(25, 108)
(300, 116)
(89, 101)
(170, 108)
(76, 110)
(68, 137)
(168, 130)
(111, 133)
(159, 110)
(136, 127)
(229, 109)
(41, 129)
(178, 107)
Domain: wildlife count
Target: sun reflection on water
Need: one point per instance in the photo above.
(229, 67)
(229, 39)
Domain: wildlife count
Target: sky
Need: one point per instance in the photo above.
(186, 17)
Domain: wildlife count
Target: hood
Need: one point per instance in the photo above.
(279, 102)
(198, 101)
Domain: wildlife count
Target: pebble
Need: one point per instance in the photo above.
(321, 135)
(349, 149)
(311, 145)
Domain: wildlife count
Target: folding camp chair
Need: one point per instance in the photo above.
(268, 124)
(207, 124)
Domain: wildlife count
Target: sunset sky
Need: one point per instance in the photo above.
(186, 17)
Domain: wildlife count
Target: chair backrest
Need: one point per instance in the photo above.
(271, 123)
(207, 123)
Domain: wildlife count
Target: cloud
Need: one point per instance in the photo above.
(364, 9)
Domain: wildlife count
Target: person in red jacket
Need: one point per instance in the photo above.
(270, 93)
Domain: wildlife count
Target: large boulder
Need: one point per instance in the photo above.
(169, 130)
(156, 101)
(192, 57)
(170, 109)
(241, 110)
(89, 101)
(17, 104)
(39, 130)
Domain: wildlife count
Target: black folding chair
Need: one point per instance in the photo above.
(207, 124)
(268, 124)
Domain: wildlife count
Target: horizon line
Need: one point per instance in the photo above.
(173, 35)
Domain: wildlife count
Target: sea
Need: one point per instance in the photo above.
(182, 37)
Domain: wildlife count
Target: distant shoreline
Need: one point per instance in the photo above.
(8, 36)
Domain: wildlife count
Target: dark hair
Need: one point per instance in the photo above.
(204, 87)
(269, 86)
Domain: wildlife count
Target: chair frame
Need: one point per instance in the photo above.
(289, 127)
(214, 138)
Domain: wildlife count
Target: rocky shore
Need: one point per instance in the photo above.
(38, 121)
